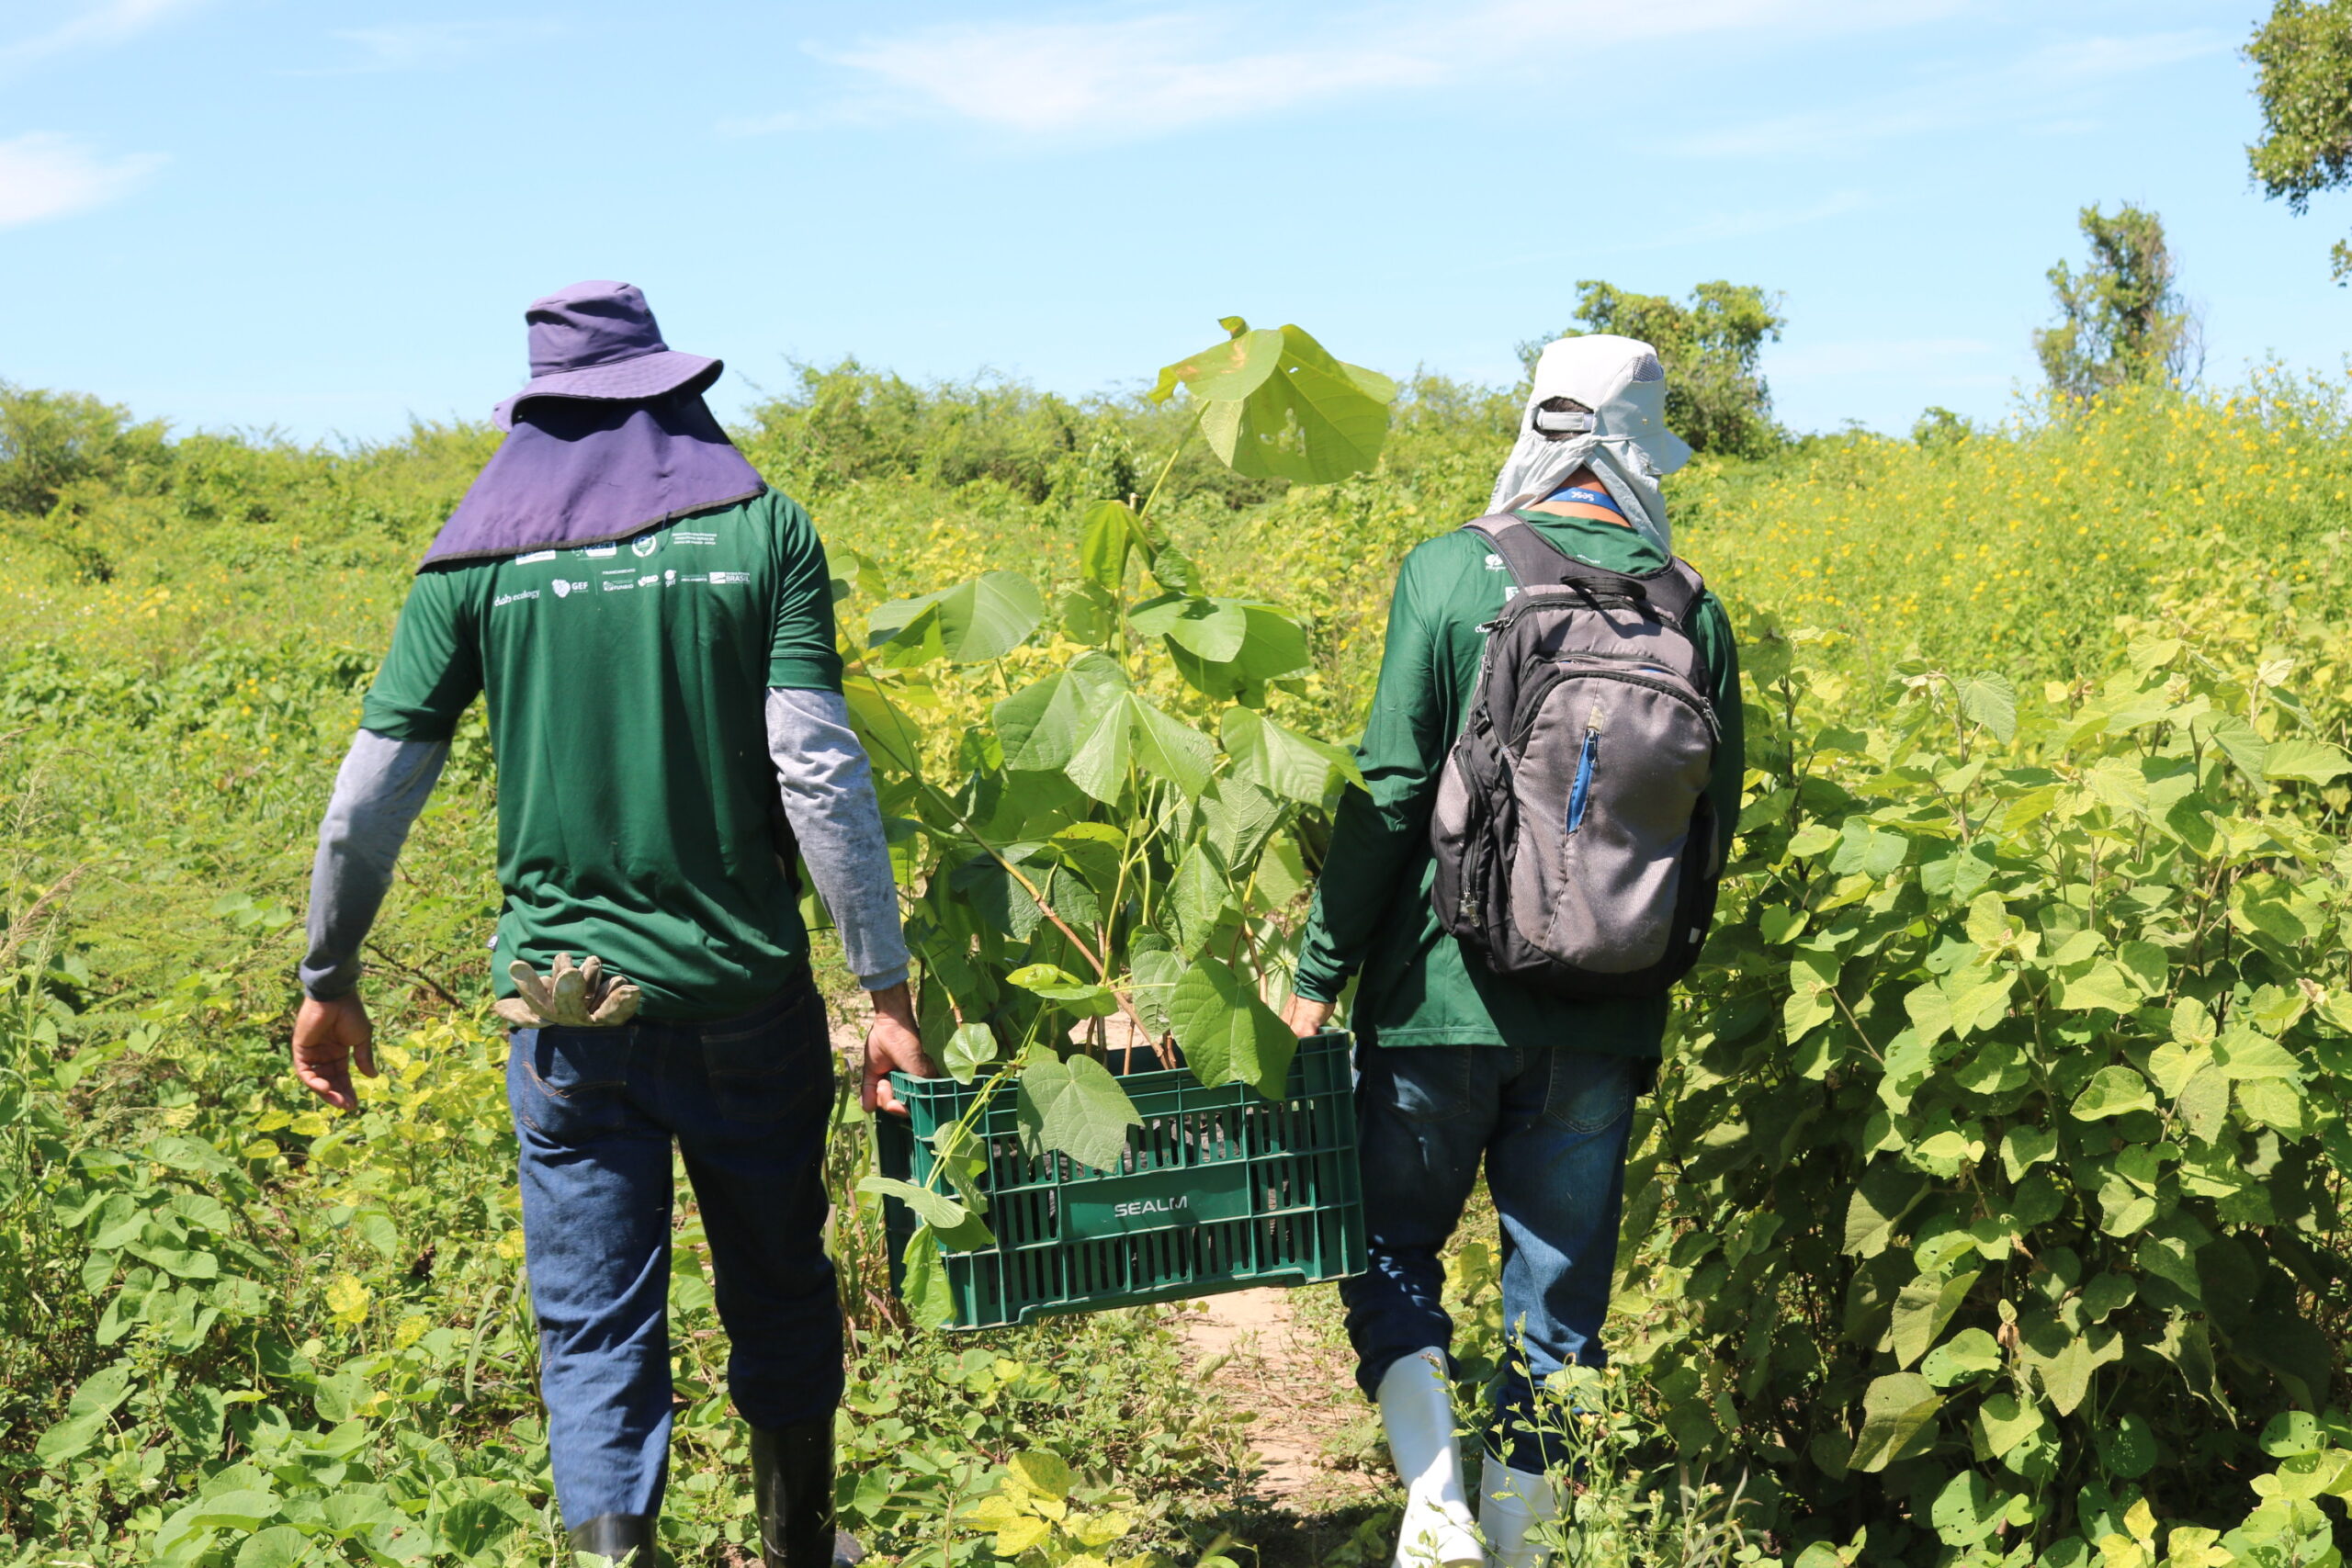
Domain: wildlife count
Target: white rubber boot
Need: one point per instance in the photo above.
(1416, 1410)
(1512, 1503)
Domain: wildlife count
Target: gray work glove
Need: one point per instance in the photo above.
(585, 998)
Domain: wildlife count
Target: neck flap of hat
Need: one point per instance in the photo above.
(574, 471)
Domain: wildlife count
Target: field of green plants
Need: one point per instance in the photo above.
(1989, 1209)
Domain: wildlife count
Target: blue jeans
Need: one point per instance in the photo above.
(1552, 1126)
(747, 1100)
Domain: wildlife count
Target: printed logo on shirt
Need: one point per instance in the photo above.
(562, 588)
(618, 587)
(599, 552)
(1494, 563)
(509, 598)
(671, 576)
(648, 579)
(534, 557)
(647, 546)
(730, 577)
(690, 537)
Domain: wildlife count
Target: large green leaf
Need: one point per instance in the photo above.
(1990, 700)
(1896, 1410)
(1272, 645)
(968, 624)
(85, 1413)
(1921, 1311)
(1056, 985)
(1043, 724)
(2297, 757)
(957, 1228)
(1132, 727)
(1281, 759)
(1196, 900)
(1228, 1035)
(2113, 1091)
(1105, 534)
(1212, 630)
(923, 1285)
(1275, 405)
(1157, 970)
(1075, 1106)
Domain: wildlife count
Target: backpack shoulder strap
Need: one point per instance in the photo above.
(1676, 592)
(1535, 561)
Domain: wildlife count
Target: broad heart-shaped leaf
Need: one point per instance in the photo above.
(2113, 1091)
(1157, 970)
(969, 1049)
(1921, 1311)
(1896, 1408)
(1284, 761)
(968, 624)
(923, 1285)
(1132, 727)
(1195, 900)
(85, 1415)
(1106, 533)
(1212, 630)
(1228, 1035)
(1274, 646)
(283, 1546)
(883, 726)
(1990, 700)
(1238, 816)
(2297, 757)
(1043, 724)
(1075, 1106)
(1968, 1510)
(1276, 405)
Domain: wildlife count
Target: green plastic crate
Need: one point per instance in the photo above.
(1221, 1188)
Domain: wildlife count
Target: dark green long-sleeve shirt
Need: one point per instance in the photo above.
(1372, 912)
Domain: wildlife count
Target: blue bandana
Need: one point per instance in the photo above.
(1601, 498)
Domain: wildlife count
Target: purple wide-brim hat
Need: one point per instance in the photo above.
(598, 340)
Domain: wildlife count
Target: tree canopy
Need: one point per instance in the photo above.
(2120, 318)
(2303, 58)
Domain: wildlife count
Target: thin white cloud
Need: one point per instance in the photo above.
(2042, 89)
(92, 24)
(1166, 70)
(434, 45)
(46, 175)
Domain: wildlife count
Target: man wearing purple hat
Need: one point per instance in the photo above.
(653, 628)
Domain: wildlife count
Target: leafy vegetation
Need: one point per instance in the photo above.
(1715, 396)
(1988, 1211)
(2302, 59)
(2121, 320)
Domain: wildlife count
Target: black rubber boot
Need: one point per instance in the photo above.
(617, 1537)
(792, 1486)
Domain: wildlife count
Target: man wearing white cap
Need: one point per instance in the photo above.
(1459, 1062)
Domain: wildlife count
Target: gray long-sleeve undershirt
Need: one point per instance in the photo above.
(827, 789)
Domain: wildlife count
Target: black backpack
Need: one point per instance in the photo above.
(1577, 850)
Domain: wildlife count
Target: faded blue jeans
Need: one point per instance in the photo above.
(746, 1101)
(1551, 1126)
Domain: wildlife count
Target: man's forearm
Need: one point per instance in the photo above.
(382, 785)
(828, 788)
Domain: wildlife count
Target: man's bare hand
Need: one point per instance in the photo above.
(892, 1045)
(328, 1036)
(1306, 1018)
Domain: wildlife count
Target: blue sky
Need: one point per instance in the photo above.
(328, 218)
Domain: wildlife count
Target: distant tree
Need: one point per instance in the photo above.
(50, 441)
(1938, 426)
(2120, 319)
(1715, 398)
(2303, 58)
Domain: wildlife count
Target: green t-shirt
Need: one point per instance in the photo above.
(1372, 912)
(627, 686)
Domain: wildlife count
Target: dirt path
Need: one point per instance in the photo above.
(1261, 1358)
